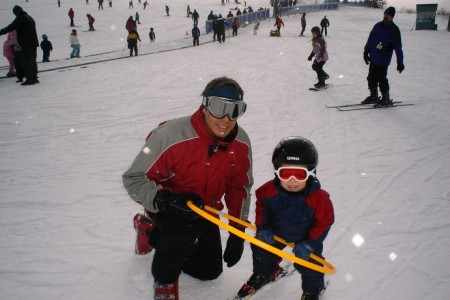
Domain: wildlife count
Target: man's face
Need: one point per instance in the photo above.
(218, 128)
(387, 18)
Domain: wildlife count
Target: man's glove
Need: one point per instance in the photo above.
(233, 250)
(176, 204)
(366, 57)
(400, 68)
(310, 56)
(265, 235)
(303, 250)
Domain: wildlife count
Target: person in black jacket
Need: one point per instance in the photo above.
(220, 29)
(324, 24)
(28, 42)
(195, 35)
(46, 47)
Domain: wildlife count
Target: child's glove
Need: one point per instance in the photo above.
(310, 56)
(303, 250)
(265, 235)
(233, 251)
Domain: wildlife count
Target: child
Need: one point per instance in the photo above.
(46, 47)
(75, 44)
(294, 207)
(91, 21)
(255, 29)
(320, 51)
(195, 35)
(132, 40)
(8, 52)
(152, 35)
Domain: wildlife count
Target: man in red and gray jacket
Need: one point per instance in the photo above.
(205, 158)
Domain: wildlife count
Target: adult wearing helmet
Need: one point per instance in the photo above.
(294, 207)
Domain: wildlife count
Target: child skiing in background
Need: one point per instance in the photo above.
(152, 35)
(75, 44)
(46, 47)
(91, 21)
(255, 29)
(320, 52)
(132, 40)
(294, 207)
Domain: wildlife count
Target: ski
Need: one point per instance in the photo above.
(354, 104)
(371, 107)
(286, 271)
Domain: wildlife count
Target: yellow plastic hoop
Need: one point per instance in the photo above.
(328, 269)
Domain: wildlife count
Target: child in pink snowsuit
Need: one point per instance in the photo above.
(11, 40)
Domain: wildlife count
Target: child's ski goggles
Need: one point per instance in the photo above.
(298, 173)
(220, 107)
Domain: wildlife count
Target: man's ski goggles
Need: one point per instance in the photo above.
(298, 173)
(220, 107)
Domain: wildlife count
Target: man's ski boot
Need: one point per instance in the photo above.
(143, 226)
(372, 98)
(166, 291)
(385, 101)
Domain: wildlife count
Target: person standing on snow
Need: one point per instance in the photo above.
(235, 25)
(384, 38)
(278, 23)
(324, 24)
(132, 39)
(46, 47)
(303, 22)
(91, 21)
(8, 45)
(320, 52)
(195, 35)
(71, 15)
(28, 41)
(75, 44)
(152, 35)
(294, 207)
(205, 158)
(195, 17)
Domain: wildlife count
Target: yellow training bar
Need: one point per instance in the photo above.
(328, 269)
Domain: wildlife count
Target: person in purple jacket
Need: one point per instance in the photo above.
(384, 39)
(321, 56)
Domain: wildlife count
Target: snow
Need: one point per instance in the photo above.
(66, 220)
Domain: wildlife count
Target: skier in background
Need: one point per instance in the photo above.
(384, 38)
(320, 52)
(152, 35)
(46, 47)
(303, 22)
(195, 35)
(132, 39)
(324, 24)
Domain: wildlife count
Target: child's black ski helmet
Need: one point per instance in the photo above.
(295, 150)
